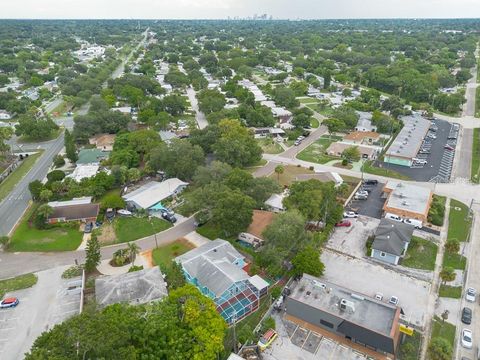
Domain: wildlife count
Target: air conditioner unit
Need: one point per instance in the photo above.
(346, 305)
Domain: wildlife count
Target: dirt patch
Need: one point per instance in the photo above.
(147, 255)
(106, 234)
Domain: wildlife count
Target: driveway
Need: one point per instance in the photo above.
(41, 307)
(373, 205)
(368, 278)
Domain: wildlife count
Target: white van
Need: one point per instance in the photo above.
(393, 217)
(417, 223)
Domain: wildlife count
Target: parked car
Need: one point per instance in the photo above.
(419, 161)
(343, 223)
(88, 228)
(470, 294)
(362, 192)
(9, 303)
(393, 300)
(296, 143)
(169, 217)
(393, 217)
(267, 339)
(370, 182)
(448, 147)
(350, 214)
(467, 315)
(467, 341)
(414, 222)
(360, 197)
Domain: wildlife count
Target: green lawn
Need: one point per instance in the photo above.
(308, 101)
(270, 146)
(475, 172)
(314, 123)
(289, 175)
(443, 329)
(7, 186)
(134, 228)
(60, 237)
(454, 292)
(326, 111)
(455, 261)
(370, 169)
(210, 231)
(459, 221)
(164, 255)
(421, 254)
(410, 349)
(17, 283)
(316, 151)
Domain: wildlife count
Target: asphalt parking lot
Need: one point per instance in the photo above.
(368, 278)
(439, 160)
(373, 205)
(41, 307)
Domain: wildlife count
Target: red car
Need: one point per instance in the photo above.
(448, 147)
(343, 223)
(9, 302)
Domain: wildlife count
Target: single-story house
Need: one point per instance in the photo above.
(407, 201)
(324, 176)
(275, 203)
(4, 115)
(366, 151)
(91, 156)
(167, 136)
(362, 137)
(364, 122)
(83, 172)
(127, 110)
(78, 209)
(103, 142)
(391, 241)
(138, 287)
(219, 271)
(253, 237)
(260, 133)
(152, 193)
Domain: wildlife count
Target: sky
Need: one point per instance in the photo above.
(220, 9)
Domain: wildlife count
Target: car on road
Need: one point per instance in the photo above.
(343, 223)
(393, 300)
(370, 182)
(296, 143)
(350, 214)
(467, 315)
(448, 147)
(471, 294)
(267, 339)
(467, 341)
(9, 303)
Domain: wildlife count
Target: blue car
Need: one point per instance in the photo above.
(9, 303)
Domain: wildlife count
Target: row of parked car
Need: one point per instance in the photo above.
(467, 314)
(363, 192)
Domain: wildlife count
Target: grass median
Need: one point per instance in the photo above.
(460, 221)
(17, 283)
(14, 178)
(134, 228)
(475, 170)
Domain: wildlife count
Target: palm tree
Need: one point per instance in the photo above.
(45, 211)
(279, 169)
(133, 249)
(447, 274)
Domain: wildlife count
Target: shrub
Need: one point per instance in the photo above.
(73, 271)
(276, 292)
(58, 161)
(436, 214)
(55, 175)
(269, 323)
(134, 268)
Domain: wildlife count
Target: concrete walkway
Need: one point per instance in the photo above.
(106, 269)
(196, 239)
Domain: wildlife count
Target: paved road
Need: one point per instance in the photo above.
(463, 155)
(199, 116)
(470, 92)
(13, 264)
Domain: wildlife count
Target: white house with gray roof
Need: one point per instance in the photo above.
(391, 241)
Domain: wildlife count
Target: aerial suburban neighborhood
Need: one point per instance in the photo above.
(251, 187)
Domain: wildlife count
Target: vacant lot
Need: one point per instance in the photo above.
(61, 237)
(421, 254)
(270, 146)
(316, 152)
(460, 221)
(289, 175)
(444, 330)
(133, 228)
(164, 255)
(17, 283)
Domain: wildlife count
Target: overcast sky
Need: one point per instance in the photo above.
(214, 9)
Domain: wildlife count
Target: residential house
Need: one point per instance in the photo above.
(83, 172)
(323, 176)
(366, 151)
(364, 123)
(356, 320)
(218, 270)
(138, 287)
(91, 156)
(391, 241)
(362, 138)
(275, 203)
(407, 201)
(103, 142)
(77, 209)
(167, 136)
(153, 193)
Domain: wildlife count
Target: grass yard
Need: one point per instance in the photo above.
(421, 254)
(410, 349)
(289, 174)
(454, 292)
(61, 237)
(270, 146)
(316, 152)
(134, 228)
(370, 169)
(308, 101)
(12, 180)
(455, 261)
(17, 283)
(213, 232)
(443, 329)
(164, 255)
(314, 123)
(459, 221)
(326, 111)
(475, 172)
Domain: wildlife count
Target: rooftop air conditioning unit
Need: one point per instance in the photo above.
(346, 305)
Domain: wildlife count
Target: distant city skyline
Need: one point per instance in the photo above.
(222, 9)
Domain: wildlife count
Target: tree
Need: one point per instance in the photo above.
(58, 161)
(286, 232)
(92, 254)
(279, 170)
(333, 125)
(284, 96)
(33, 128)
(445, 315)
(45, 195)
(233, 212)
(447, 274)
(42, 214)
(56, 175)
(351, 154)
(439, 349)
(308, 261)
(133, 175)
(174, 275)
(133, 249)
(5, 134)
(452, 246)
(210, 101)
(70, 148)
(216, 171)
(35, 188)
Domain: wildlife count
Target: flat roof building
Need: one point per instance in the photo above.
(407, 201)
(154, 192)
(406, 145)
(355, 317)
